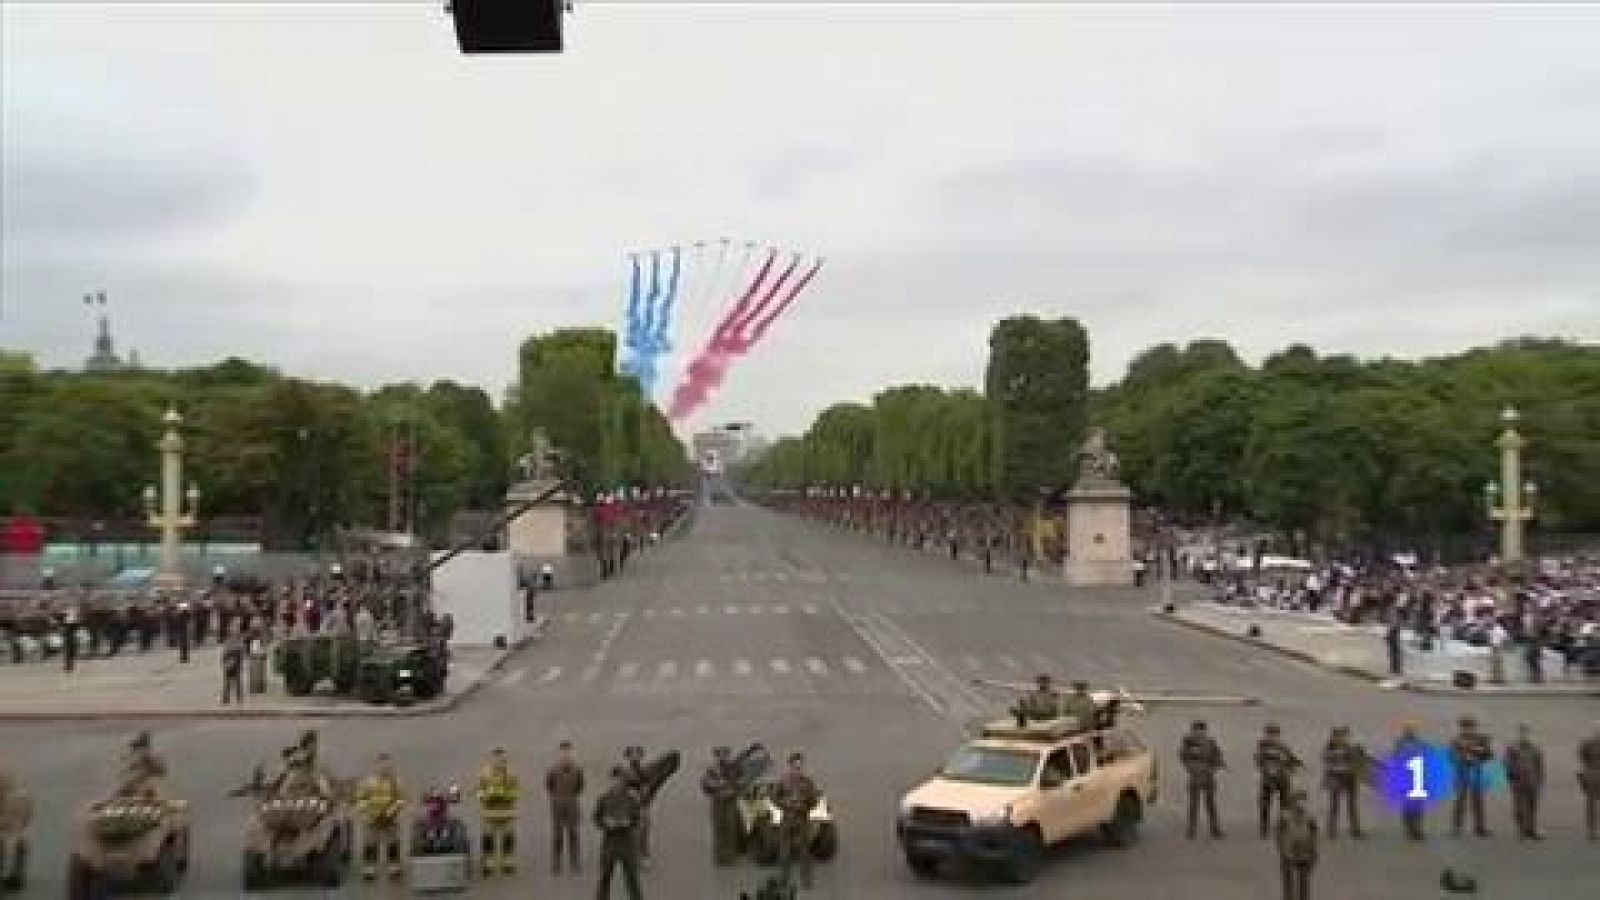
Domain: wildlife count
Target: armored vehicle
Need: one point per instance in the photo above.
(126, 841)
(392, 672)
(299, 831)
(16, 814)
(305, 661)
(1017, 788)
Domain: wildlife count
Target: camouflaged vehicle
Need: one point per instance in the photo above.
(413, 670)
(759, 816)
(129, 842)
(307, 660)
(300, 838)
(16, 814)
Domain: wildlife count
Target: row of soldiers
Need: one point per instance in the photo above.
(1346, 765)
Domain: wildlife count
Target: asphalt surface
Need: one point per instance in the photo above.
(758, 626)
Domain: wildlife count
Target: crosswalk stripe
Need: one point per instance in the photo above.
(570, 617)
(649, 613)
(667, 669)
(676, 612)
(756, 609)
(594, 618)
(809, 609)
(702, 609)
(1010, 663)
(781, 576)
(816, 666)
(703, 669)
(781, 609)
(515, 676)
(742, 666)
(628, 670)
(856, 666)
(760, 576)
(730, 609)
(550, 674)
(972, 662)
(780, 666)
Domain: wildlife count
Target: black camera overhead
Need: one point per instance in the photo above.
(508, 26)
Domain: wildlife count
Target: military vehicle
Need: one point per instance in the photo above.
(305, 661)
(299, 836)
(760, 817)
(1019, 787)
(389, 673)
(16, 814)
(129, 841)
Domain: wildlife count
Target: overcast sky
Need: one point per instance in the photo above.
(335, 190)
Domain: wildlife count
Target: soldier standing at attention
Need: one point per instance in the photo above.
(564, 783)
(1041, 703)
(1342, 759)
(1407, 746)
(721, 785)
(1525, 772)
(638, 780)
(1201, 758)
(498, 793)
(233, 669)
(618, 814)
(1275, 762)
(796, 796)
(1297, 847)
(1589, 781)
(381, 801)
(1470, 751)
(1079, 705)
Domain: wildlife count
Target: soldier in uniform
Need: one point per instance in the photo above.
(498, 793)
(1342, 760)
(1275, 763)
(638, 780)
(1407, 746)
(618, 815)
(1297, 847)
(381, 799)
(1201, 758)
(796, 795)
(1080, 706)
(143, 771)
(1589, 781)
(1470, 751)
(1041, 703)
(564, 783)
(1524, 763)
(721, 785)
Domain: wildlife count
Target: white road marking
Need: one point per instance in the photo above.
(809, 609)
(704, 669)
(816, 666)
(515, 676)
(781, 576)
(971, 662)
(760, 576)
(1011, 664)
(676, 612)
(667, 669)
(594, 618)
(550, 674)
(570, 617)
(780, 666)
(730, 609)
(649, 613)
(702, 609)
(628, 670)
(856, 666)
(781, 609)
(742, 667)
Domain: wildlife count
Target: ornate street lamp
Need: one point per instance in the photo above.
(1510, 500)
(162, 507)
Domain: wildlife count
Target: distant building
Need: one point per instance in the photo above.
(725, 445)
(104, 358)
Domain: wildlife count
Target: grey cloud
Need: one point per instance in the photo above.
(89, 198)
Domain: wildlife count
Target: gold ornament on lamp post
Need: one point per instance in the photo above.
(1511, 499)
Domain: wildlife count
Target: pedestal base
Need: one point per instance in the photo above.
(1098, 573)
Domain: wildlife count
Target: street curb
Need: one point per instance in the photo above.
(363, 711)
(1372, 678)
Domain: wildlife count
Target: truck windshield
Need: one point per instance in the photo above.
(991, 765)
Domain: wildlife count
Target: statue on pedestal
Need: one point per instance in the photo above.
(542, 463)
(1097, 463)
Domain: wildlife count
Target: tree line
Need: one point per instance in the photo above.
(1335, 449)
(307, 456)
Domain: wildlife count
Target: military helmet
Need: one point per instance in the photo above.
(141, 741)
(1341, 730)
(634, 752)
(1468, 722)
(721, 752)
(1272, 728)
(1198, 725)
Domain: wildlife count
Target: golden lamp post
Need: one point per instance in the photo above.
(171, 519)
(1510, 499)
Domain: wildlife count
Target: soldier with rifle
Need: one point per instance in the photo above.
(721, 783)
(1276, 764)
(381, 800)
(1343, 761)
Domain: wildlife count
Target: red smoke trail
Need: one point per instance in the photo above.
(735, 335)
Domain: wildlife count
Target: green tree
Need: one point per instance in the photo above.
(1037, 384)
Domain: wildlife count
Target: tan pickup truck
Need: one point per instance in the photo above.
(1014, 790)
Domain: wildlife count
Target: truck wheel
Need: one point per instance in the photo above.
(1027, 856)
(923, 866)
(297, 685)
(1123, 828)
(255, 872)
(825, 843)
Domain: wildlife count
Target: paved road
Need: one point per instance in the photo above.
(759, 626)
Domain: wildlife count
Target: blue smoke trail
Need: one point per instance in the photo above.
(655, 336)
(632, 324)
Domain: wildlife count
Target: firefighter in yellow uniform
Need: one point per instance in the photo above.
(498, 793)
(380, 801)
